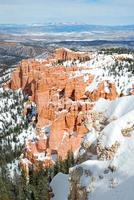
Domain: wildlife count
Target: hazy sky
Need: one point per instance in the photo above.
(108, 12)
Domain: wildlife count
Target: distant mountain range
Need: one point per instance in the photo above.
(59, 28)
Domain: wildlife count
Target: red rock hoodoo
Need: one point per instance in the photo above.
(62, 103)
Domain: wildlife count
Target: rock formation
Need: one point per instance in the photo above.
(63, 54)
(62, 101)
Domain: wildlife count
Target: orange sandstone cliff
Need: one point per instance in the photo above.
(62, 103)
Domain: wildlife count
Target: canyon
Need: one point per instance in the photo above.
(71, 102)
(63, 88)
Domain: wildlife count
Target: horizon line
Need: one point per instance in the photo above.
(64, 23)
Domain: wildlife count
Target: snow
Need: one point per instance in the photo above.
(120, 107)
(129, 56)
(12, 129)
(111, 68)
(116, 108)
(41, 156)
(86, 78)
(30, 133)
(106, 89)
(93, 86)
(120, 114)
(101, 105)
(60, 187)
(13, 168)
(26, 161)
(118, 184)
(91, 136)
(115, 128)
(67, 63)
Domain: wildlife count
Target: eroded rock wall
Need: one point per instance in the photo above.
(62, 102)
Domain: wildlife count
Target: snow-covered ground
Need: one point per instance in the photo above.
(117, 69)
(60, 186)
(111, 177)
(5, 74)
(13, 130)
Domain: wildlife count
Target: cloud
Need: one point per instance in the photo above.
(85, 11)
